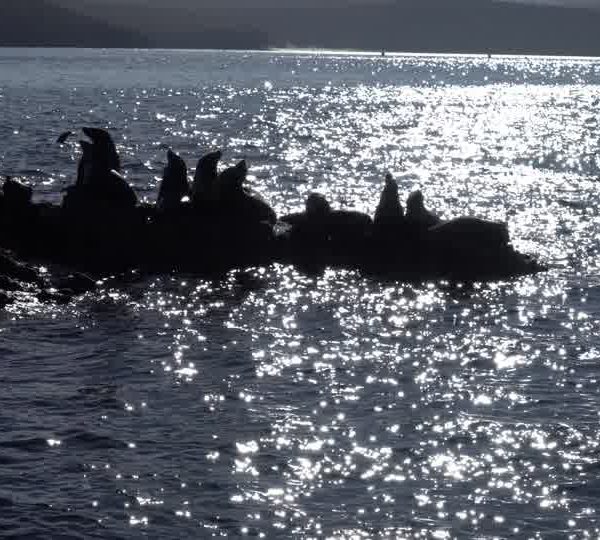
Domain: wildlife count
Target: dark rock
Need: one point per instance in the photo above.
(53, 296)
(78, 283)
(16, 194)
(9, 284)
(11, 268)
(5, 299)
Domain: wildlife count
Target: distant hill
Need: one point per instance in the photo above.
(25, 23)
(468, 26)
(394, 25)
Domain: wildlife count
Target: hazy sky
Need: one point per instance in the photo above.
(566, 3)
(250, 3)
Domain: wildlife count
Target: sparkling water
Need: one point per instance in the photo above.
(274, 404)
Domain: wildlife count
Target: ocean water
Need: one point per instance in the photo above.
(273, 404)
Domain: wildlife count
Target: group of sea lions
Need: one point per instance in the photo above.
(217, 222)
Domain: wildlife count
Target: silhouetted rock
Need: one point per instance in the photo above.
(50, 296)
(9, 284)
(77, 283)
(5, 299)
(100, 229)
(14, 269)
(17, 196)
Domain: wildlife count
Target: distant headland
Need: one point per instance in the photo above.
(461, 26)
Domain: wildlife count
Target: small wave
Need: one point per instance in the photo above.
(29, 444)
(96, 397)
(88, 440)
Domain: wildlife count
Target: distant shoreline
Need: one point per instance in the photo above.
(323, 52)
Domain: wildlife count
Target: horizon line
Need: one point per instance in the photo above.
(318, 51)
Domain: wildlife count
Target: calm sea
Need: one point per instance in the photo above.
(272, 404)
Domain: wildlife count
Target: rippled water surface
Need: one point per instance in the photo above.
(274, 404)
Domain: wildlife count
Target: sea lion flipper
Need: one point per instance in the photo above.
(64, 136)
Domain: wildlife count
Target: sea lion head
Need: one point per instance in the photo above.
(389, 210)
(174, 185)
(390, 185)
(176, 166)
(415, 203)
(207, 166)
(232, 179)
(316, 205)
(97, 135)
(105, 151)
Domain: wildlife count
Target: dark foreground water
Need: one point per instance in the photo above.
(277, 405)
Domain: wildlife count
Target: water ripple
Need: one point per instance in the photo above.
(271, 403)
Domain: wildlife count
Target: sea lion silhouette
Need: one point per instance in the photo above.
(389, 211)
(174, 185)
(204, 186)
(417, 214)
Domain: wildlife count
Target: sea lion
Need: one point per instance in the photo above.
(204, 186)
(470, 233)
(113, 192)
(230, 182)
(238, 202)
(99, 181)
(304, 236)
(417, 214)
(335, 223)
(317, 206)
(118, 191)
(174, 185)
(474, 249)
(321, 236)
(105, 151)
(98, 157)
(389, 211)
(317, 212)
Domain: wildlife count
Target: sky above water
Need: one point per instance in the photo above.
(249, 3)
